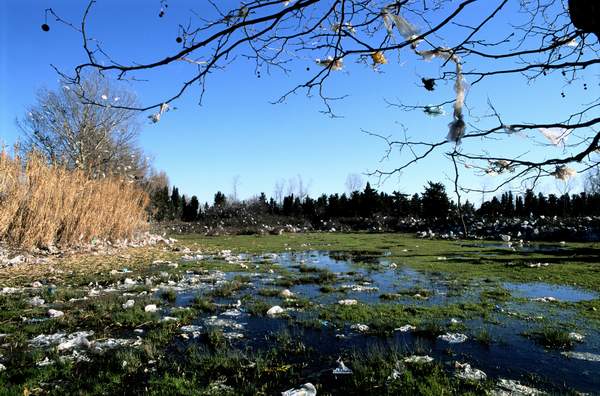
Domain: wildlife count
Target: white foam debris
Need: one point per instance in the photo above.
(275, 310)
(169, 319)
(36, 284)
(348, 302)
(53, 313)
(590, 357)
(2, 367)
(307, 389)
(286, 293)
(9, 290)
(150, 308)
(418, 359)
(453, 338)
(465, 371)
(406, 328)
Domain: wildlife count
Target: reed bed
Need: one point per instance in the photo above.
(43, 205)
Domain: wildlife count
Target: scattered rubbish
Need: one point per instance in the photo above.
(75, 340)
(576, 337)
(348, 302)
(465, 371)
(362, 328)
(556, 136)
(275, 310)
(341, 369)
(286, 294)
(128, 304)
(169, 319)
(514, 388)
(53, 313)
(405, 328)
(150, 308)
(37, 301)
(307, 389)
(434, 111)
(334, 64)
(45, 362)
(563, 173)
(36, 284)
(418, 359)
(190, 328)
(545, 299)
(453, 338)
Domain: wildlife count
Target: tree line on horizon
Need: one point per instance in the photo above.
(433, 203)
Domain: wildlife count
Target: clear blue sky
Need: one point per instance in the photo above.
(237, 131)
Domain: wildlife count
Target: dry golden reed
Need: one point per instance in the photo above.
(43, 205)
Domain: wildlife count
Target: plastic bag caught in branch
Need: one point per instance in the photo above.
(556, 136)
(334, 64)
(156, 117)
(564, 173)
(458, 126)
(405, 28)
(434, 111)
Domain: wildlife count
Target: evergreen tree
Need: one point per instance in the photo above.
(434, 201)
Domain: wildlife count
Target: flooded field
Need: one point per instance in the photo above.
(332, 314)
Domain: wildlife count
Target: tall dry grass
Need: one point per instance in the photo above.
(43, 205)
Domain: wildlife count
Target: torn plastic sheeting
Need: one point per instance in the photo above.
(564, 173)
(75, 340)
(434, 111)
(515, 388)
(307, 389)
(43, 340)
(112, 343)
(458, 126)
(190, 328)
(405, 28)
(53, 313)
(556, 136)
(341, 369)
(335, 64)
(465, 371)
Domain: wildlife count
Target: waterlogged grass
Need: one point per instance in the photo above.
(212, 362)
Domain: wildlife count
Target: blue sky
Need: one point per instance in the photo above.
(237, 131)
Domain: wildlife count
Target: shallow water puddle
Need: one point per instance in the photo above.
(540, 290)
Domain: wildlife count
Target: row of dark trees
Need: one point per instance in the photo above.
(432, 203)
